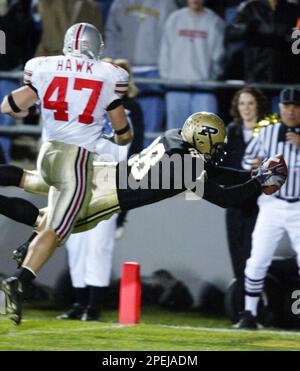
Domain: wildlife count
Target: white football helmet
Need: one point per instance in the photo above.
(83, 39)
(206, 132)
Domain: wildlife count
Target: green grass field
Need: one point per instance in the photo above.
(159, 330)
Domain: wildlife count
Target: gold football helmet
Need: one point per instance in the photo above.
(206, 132)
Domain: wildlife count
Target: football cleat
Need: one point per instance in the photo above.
(91, 314)
(74, 313)
(247, 322)
(12, 288)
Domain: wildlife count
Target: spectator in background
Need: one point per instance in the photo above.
(230, 9)
(58, 15)
(192, 49)
(133, 31)
(17, 24)
(266, 27)
(90, 253)
(104, 6)
(249, 105)
(234, 48)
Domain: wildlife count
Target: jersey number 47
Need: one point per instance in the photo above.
(60, 105)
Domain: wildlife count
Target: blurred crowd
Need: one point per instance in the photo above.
(179, 40)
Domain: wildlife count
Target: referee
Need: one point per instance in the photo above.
(279, 213)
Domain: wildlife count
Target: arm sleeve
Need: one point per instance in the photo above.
(30, 74)
(234, 196)
(228, 176)
(119, 85)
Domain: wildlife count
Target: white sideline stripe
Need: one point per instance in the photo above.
(216, 329)
(118, 326)
(61, 331)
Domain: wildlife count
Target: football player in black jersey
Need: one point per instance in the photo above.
(177, 161)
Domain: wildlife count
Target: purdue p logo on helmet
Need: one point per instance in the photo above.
(83, 39)
(205, 131)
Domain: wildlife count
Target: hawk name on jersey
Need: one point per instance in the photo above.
(75, 65)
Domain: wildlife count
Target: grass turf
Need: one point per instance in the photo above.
(159, 330)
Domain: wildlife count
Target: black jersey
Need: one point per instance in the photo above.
(170, 166)
(167, 167)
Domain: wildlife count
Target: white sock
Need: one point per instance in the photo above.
(251, 303)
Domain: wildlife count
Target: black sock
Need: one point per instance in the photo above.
(34, 234)
(10, 175)
(25, 276)
(81, 295)
(121, 219)
(96, 297)
(18, 209)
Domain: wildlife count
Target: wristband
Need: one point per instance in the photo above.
(123, 131)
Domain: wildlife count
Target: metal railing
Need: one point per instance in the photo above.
(226, 84)
(32, 130)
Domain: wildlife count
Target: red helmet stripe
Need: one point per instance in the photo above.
(77, 36)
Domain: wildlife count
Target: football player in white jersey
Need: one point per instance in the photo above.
(74, 90)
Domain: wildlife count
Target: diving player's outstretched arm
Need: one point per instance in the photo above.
(267, 178)
(228, 176)
(233, 196)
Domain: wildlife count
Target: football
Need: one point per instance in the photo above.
(268, 190)
(271, 162)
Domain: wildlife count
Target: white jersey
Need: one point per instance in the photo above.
(74, 93)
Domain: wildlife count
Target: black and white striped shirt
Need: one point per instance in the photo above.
(271, 141)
